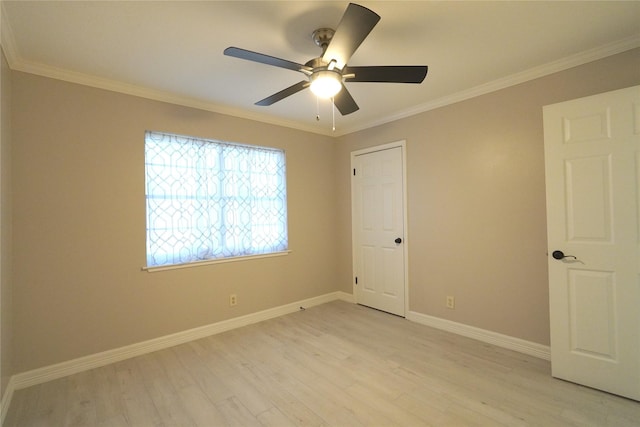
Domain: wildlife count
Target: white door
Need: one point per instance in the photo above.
(378, 228)
(592, 157)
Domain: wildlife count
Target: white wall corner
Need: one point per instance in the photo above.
(505, 341)
(7, 40)
(6, 400)
(344, 296)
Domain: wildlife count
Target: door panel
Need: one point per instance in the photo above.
(592, 313)
(378, 220)
(368, 270)
(589, 190)
(592, 153)
(587, 126)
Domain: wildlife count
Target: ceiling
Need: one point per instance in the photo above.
(172, 50)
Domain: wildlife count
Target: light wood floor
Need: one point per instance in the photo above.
(337, 364)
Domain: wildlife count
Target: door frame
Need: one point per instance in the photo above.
(402, 144)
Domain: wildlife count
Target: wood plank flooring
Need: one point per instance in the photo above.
(337, 364)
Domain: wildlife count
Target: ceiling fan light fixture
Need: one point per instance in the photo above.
(328, 74)
(326, 83)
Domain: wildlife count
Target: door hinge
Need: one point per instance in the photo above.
(356, 280)
(354, 172)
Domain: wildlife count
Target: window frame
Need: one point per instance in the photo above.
(225, 194)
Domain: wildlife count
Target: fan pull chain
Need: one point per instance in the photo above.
(333, 113)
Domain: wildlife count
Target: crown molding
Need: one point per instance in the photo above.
(153, 94)
(512, 80)
(17, 63)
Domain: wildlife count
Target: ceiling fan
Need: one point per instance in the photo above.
(328, 73)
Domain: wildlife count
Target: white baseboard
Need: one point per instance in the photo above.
(343, 296)
(500, 340)
(59, 370)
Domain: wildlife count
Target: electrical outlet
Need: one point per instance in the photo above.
(233, 299)
(451, 302)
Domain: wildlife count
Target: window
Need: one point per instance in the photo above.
(209, 200)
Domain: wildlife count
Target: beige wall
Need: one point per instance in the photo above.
(476, 199)
(79, 224)
(6, 345)
(476, 214)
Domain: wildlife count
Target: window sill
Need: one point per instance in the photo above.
(213, 261)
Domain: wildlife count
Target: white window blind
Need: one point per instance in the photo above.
(209, 199)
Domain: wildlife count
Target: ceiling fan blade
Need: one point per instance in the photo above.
(355, 25)
(237, 52)
(283, 93)
(387, 74)
(344, 102)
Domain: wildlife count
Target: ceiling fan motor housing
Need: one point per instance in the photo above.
(321, 37)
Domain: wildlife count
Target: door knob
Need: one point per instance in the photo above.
(561, 255)
(398, 240)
